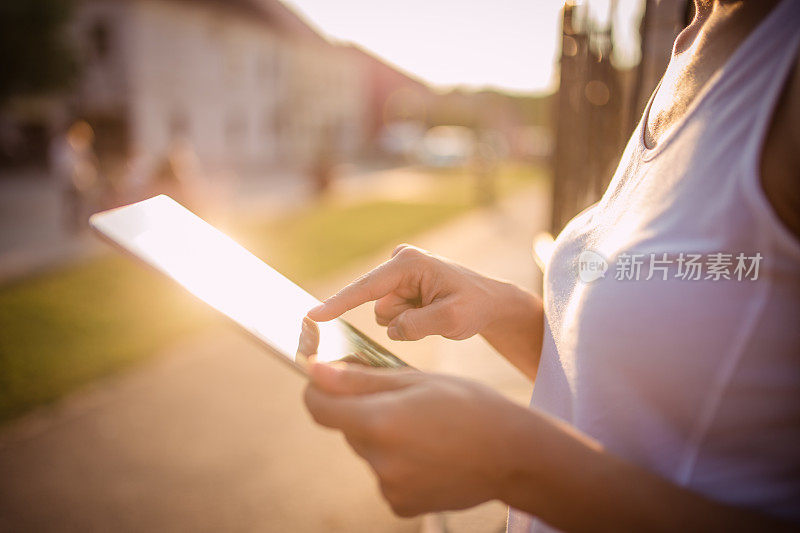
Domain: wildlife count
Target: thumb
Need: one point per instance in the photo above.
(349, 379)
(437, 318)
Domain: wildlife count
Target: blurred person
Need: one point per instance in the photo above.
(119, 170)
(73, 161)
(178, 175)
(664, 402)
(134, 181)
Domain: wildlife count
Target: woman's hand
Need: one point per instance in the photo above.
(434, 442)
(417, 294)
(442, 443)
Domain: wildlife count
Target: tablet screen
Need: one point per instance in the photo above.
(226, 276)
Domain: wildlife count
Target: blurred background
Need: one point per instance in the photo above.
(320, 135)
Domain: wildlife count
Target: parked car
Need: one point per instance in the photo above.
(447, 146)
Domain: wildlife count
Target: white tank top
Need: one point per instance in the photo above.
(688, 374)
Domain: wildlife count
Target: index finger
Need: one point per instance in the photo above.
(373, 285)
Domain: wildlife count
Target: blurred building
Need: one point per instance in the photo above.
(392, 96)
(246, 83)
(248, 87)
(519, 122)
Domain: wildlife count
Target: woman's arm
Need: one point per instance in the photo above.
(439, 443)
(518, 330)
(568, 480)
(417, 294)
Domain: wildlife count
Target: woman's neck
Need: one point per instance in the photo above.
(722, 24)
(717, 29)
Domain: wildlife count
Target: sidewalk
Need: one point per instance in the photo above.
(32, 233)
(212, 436)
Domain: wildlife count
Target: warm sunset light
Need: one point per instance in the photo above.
(225, 275)
(537, 240)
(509, 44)
(543, 245)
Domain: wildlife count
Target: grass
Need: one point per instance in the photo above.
(63, 329)
(311, 245)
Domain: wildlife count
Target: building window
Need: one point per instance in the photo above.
(100, 39)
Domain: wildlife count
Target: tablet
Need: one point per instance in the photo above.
(213, 267)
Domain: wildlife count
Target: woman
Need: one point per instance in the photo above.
(667, 392)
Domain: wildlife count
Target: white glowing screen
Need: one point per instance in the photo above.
(222, 273)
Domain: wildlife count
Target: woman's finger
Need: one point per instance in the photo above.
(360, 445)
(371, 286)
(390, 306)
(344, 379)
(439, 318)
(348, 413)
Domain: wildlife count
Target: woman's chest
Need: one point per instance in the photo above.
(649, 286)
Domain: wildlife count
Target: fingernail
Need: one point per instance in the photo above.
(394, 333)
(316, 309)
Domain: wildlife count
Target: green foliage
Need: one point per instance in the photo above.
(34, 54)
(62, 329)
(480, 110)
(66, 328)
(333, 238)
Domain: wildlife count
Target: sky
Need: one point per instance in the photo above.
(503, 44)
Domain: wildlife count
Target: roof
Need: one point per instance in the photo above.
(272, 12)
(385, 65)
(288, 20)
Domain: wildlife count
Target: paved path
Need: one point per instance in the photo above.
(211, 434)
(32, 233)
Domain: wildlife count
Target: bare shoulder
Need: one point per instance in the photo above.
(780, 160)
